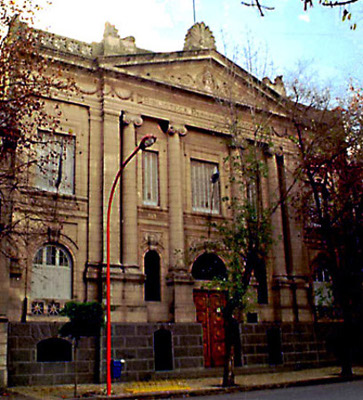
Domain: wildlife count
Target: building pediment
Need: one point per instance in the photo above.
(198, 68)
(204, 71)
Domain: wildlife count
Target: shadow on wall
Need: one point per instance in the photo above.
(54, 349)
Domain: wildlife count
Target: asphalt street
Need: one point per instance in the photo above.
(334, 391)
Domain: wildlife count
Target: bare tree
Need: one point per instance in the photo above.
(28, 80)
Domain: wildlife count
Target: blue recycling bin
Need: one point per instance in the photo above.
(116, 368)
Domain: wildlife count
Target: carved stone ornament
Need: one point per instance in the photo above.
(132, 119)
(110, 30)
(54, 233)
(199, 37)
(205, 81)
(114, 45)
(177, 128)
(122, 94)
(153, 240)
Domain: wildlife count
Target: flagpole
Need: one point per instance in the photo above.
(194, 10)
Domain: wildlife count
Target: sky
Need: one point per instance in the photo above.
(284, 40)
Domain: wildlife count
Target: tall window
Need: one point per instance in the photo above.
(322, 287)
(55, 163)
(152, 272)
(205, 188)
(150, 178)
(52, 273)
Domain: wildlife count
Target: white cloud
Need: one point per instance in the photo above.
(304, 17)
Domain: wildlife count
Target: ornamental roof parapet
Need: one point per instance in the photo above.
(111, 44)
(64, 44)
(198, 37)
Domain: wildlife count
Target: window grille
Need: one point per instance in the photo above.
(205, 193)
(55, 163)
(150, 178)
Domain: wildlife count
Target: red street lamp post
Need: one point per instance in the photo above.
(146, 141)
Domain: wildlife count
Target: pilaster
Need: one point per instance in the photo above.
(111, 165)
(279, 265)
(176, 222)
(279, 295)
(129, 194)
(95, 199)
(178, 277)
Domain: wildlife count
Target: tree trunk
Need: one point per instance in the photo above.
(231, 329)
(228, 371)
(75, 348)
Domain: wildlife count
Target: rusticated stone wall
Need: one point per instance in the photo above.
(3, 351)
(132, 342)
(301, 344)
(24, 369)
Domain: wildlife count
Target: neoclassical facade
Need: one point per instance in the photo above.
(161, 209)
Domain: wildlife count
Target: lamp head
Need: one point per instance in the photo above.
(215, 176)
(147, 141)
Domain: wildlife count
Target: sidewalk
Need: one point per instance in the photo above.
(191, 387)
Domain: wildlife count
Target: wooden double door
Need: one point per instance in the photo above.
(209, 306)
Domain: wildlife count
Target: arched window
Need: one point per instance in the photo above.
(207, 267)
(152, 272)
(54, 349)
(52, 273)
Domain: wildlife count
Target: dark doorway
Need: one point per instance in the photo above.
(274, 346)
(152, 272)
(54, 349)
(163, 351)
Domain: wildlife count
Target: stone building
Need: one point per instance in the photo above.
(159, 215)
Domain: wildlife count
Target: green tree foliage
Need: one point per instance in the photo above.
(86, 319)
(244, 239)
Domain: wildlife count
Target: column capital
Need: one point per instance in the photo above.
(174, 128)
(129, 118)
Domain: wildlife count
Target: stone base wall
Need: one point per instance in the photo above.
(24, 369)
(132, 342)
(299, 345)
(135, 344)
(302, 344)
(3, 352)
